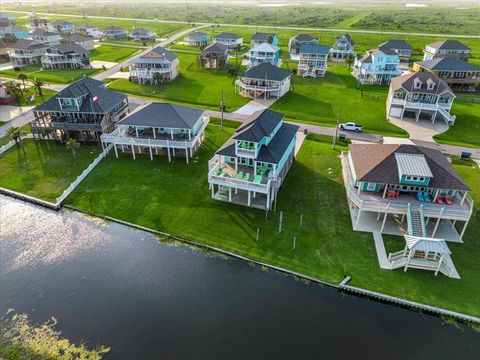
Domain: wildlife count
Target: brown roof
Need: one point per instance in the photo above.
(377, 163)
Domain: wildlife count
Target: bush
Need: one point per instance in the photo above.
(17, 68)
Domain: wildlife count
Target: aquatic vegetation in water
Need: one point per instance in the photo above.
(19, 340)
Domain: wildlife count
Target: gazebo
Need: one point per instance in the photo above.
(424, 253)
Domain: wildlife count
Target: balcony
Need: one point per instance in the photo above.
(375, 202)
(222, 173)
(255, 87)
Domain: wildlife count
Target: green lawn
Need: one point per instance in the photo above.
(174, 197)
(466, 130)
(318, 101)
(112, 53)
(50, 76)
(47, 94)
(43, 169)
(194, 86)
(6, 139)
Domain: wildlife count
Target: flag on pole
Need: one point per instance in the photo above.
(96, 100)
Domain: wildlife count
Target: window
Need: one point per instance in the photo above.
(371, 186)
(408, 178)
(414, 178)
(417, 84)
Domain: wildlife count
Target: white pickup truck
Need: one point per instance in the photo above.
(351, 127)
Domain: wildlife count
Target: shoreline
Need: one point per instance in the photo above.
(342, 286)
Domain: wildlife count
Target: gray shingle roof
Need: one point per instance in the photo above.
(260, 36)
(69, 47)
(40, 32)
(228, 35)
(449, 45)
(266, 71)
(164, 115)
(90, 88)
(314, 49)
(262, 126)
(157, 54)
(25, 44)
(407, 82)
(255, 130)
(397, 44)
(77, 38)
(215, 48)
(377, 163)
(304, 37)
(196, 34)
(384, 49)
(448, 63)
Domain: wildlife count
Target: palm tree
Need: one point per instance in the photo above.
(23, 78)
(15, 90)
(38, 83)
(16, 134)
(349, 61)
(156, 77)
(73, 145)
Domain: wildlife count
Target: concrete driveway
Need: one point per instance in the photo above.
(422, 130)
(254, 106)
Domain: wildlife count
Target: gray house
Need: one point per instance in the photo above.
(160, 128)
(401, 47)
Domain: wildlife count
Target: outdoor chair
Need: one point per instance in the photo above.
(257, 179)
(439, 199)
(224, 171)
(420, 196)
(426, 197)
(247, 176)
(240, 175)
(448, 199)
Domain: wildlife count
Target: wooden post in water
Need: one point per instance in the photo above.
(280, 224)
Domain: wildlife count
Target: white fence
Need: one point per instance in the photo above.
(11, 144)
(82, 176)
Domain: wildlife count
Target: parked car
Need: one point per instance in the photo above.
(351, 127)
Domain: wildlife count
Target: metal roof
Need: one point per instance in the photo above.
(260, 36)
(314, 49)
(266, 47)
(448, 45)
(427, 244)
(413, 164)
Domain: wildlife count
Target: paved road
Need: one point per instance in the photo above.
(116, 68)
(269, 26)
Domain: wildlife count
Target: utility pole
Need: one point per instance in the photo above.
(336, 128)
(222, 108)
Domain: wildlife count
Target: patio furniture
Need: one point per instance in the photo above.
(391, 194)
(448, 199)
(420, 196)
(224, 172)
(240, 175)
(257, 179)
(426, 197)
(439, 199)
(247, 176)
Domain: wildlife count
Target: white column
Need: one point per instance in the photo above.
(436, 195)
(133, 152)
(136, 131)
(385, 191)
(189, 135)
(358, 218)
(154, 135)
(464, 228)
(213, 187)
(171, 133)
(230, 194)
(236, 164)
(463, 198)
(437, 223)
(249, 199)
(151, 155)
(116, 152)
(383, 222)
(186, 154)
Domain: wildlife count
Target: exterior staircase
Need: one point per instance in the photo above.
(416, 222)
(449, 119)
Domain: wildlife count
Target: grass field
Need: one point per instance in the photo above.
(466, 131)
(112, 53)
(49, 76)
(318, 101)
(194, 86)
(174, 197)
(43, 169)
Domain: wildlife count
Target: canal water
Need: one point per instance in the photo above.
(110, 285)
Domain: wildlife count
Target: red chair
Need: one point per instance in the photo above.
(439, 199)
(448, 199)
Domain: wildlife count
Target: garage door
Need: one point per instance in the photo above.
(395, 112)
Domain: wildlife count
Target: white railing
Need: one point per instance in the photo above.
(257, 87)
(118, 137)
(82, 176)
(245, 152)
